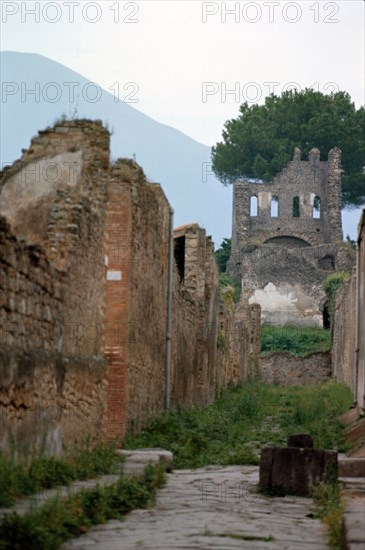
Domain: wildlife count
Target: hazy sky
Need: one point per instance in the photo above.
(190, 64)
(184, 57)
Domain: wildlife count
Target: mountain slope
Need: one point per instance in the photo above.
(166, 155)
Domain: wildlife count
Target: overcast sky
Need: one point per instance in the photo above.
(185, 56)
(178, 61)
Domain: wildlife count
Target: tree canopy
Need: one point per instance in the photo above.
(260, 141)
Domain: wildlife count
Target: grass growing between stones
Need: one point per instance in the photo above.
(58, 521)
(20, 477)
(244, 419)
(330, 510)
(298, 341)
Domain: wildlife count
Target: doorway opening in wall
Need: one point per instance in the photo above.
(326, 316)
(179, 254)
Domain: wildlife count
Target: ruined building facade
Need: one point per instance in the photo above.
(287, 238)
(84, 269)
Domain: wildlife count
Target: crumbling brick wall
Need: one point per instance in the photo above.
(138, 232)
(52, 280)
(83, 273)
(194, 337)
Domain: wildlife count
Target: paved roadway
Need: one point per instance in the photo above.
(212, 508)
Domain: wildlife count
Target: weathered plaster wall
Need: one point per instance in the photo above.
(288, 283)
(288, 370)
(52, 308)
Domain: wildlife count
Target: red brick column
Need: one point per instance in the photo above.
(118, 254)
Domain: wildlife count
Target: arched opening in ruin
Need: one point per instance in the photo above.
(274, 207)
(254, 206)
(287, 241)
(316, 214)
(296, 207)
(326, 316)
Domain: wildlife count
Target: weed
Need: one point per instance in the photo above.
(245, 418)
(330, 510)
(298, 341)
(24, 477)
(58, 521)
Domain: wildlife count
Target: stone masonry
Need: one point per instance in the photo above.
(52, 288)
(287, 238)
(288, 370)
(348, 349)
(84, 256)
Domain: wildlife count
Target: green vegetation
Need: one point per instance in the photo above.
(331, 285)
(298, 341)
(235, 427)
(20, 477)
(230, 290)
(222, 254)
(58, 521)
(330, 510)
(260, 141)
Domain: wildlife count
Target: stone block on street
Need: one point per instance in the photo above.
(296, 470)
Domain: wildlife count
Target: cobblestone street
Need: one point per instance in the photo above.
(212, 508)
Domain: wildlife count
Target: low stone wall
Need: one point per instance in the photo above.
(288, 370)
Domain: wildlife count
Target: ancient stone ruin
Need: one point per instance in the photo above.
(85, 249)
(287, 238)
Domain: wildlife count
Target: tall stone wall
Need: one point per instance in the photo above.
(349, 326)
(361, 315)
(84, 266)
(195, 307)
(343, 350)
(52, 280)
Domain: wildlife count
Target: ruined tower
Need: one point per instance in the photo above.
(287, 238)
